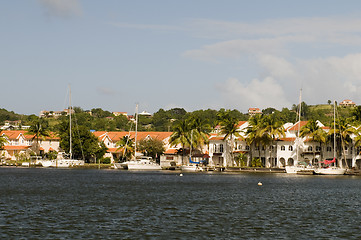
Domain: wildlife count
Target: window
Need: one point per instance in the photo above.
(283, 148)
(263, 148)
(221, 148)
(290, 148)
(256, 148)
(247, 148)
(328, 149)
(309, 149)
(318, 148)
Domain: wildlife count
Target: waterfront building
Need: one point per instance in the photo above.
(19, 143)
(110, 140)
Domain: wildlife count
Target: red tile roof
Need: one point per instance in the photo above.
(15, 147)
(115, 136)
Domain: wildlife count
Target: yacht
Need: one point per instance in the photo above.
(144, 163)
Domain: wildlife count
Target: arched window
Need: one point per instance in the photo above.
(283, 148)
(309, 149)
(290, 148)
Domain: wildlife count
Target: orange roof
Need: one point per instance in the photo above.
(115, 136)
(15, 147)
(15, 134)
(171, 151)
(297, 125)
(216, 138)
(287, 139)
(241, 123)
(114, 150)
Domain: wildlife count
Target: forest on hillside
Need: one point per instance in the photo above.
(163, 120)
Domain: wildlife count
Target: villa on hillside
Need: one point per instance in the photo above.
(347, 103)
(254, 111)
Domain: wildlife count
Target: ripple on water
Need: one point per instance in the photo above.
(92, 204)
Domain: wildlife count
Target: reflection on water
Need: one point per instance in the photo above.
(113, 204)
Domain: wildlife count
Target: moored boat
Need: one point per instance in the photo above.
(191, 168)
(145, 163)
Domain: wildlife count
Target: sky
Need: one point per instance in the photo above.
(191, 54)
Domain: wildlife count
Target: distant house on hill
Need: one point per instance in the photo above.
(120, 113)
(254, 111)
(347, 103)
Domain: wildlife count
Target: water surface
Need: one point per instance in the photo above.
(114, 204)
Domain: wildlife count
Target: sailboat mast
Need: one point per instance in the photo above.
(299, 125)
(334, 132)
(136, 132)
(70, 112)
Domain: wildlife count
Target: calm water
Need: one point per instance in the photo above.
(113, 204)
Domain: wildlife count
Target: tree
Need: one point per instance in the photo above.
(38, 128)
(229, 129)
(356, 113)
(271, 129)
(253, 133)
(152, 147)
(126, 147)
(3, 141)
(85, 145)
(200, 132)
(181, 135)
(313, 131)
(344, 130)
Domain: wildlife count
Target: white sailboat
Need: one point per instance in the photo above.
(143, 163)
(61, 162)
(299, 168)
(192, 166)
(332, 170)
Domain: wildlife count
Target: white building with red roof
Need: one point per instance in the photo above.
(19, 142)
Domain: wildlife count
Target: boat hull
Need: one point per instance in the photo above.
(298, 169)
(330, 171)
(65, 163)
(138, 165)
(191, 168)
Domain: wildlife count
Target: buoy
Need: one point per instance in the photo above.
(181, 174)
(259, 184)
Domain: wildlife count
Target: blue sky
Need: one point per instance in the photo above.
(190, 54)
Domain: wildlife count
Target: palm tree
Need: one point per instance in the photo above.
(229, 129)
(271, 130)
(314, 132)
(344, 130)
(38, 128)
(200, 132)
(253, 133)
(181, 135)
(126, 146)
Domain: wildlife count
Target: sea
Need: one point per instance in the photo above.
(49, 203)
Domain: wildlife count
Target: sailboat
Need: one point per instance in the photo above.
(299, 168)
(61, 162)
(331, 170)
(192, 166)
(143, 163)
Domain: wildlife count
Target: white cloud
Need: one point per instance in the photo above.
(257, 93)
(276, 66)
(62, 8)
(145, 26)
